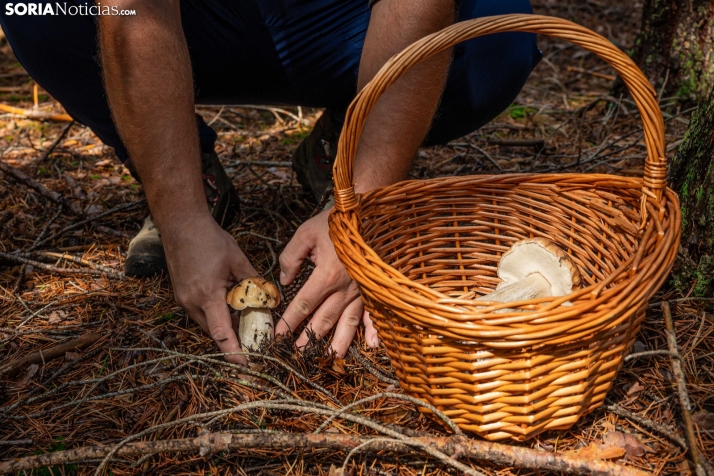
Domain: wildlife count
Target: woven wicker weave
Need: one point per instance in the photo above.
(421, 250)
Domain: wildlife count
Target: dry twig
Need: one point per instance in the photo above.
(682, 390)
(55, 269)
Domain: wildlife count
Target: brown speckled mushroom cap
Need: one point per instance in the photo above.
(540, 255)
(253, 292)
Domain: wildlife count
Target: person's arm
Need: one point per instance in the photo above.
(390, 140)
(148, 78)
(400, 119)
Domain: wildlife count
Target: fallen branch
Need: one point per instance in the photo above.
(647, 353)
(49, 116)
(41, 189)
(682, 390)
(75, 259)
(112, 232)
(210, 443)
(55, 269)
(52, 353)
(26, 441)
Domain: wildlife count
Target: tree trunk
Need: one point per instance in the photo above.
(692, 176)
(676, 42)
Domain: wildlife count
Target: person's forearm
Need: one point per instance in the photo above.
(401, 118)
(149, 84)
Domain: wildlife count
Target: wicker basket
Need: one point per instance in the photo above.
(417, 248)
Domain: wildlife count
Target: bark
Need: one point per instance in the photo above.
(692, 177)
(676, 41)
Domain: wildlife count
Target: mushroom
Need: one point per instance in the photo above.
(534, 268)
(254, 297)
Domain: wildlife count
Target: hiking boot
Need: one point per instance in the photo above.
(145, 256)
(221, 195)
(314, 157)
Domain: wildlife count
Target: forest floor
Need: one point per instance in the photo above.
(148, 364)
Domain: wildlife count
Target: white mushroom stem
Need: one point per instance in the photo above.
(531, 287)
(256, 324)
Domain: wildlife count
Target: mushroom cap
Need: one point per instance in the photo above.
(539, 255)
(253, 292)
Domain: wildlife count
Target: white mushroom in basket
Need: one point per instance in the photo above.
(254, 297)
(534, 268)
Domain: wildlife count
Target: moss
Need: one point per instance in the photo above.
(699, 194)
(684, 194)
(704, 274)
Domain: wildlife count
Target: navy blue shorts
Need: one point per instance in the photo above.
(279, 52)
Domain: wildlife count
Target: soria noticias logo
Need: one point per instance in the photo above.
(62, 8)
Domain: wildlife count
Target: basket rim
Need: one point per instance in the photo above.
(509, 329)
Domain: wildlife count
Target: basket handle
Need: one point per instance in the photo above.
(654, 181)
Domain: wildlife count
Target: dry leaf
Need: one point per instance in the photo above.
(394, 415)
(94, 209)
(598, 451)
(337, 366)
(279, 173)
(147, 301)
(56, 317)
(256, 366)
(615, 444)
(337, 471)
(31, 371)
(635, 388)
(704, 420)
(103, 163)
(632, 445)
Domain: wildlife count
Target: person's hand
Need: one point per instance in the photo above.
(204, 262)
(329, 291)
